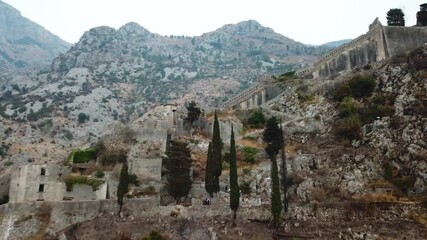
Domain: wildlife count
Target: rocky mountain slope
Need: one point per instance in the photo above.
(114, 76)
(342, 150)
(24, 43)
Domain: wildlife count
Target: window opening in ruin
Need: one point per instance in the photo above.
(43, 172)
(41, 188)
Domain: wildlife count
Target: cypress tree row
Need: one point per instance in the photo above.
(234, 186)
(209, 178)
(216, 154)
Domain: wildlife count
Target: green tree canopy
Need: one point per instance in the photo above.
(272, 136)
(422, 15)
(82, 117)
(193, 112)
(178, 165)
(395, 17)
(256, 119)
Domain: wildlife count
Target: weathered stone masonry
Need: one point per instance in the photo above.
(379, 43)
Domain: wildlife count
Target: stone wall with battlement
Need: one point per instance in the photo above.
(263, 81)
(379, 43)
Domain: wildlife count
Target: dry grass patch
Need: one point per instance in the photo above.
(377, 197)
(420, 218)
(249, 143)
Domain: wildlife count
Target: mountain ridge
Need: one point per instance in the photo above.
(24, 43)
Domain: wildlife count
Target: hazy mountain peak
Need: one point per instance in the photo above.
(25, 43)
(245, 27)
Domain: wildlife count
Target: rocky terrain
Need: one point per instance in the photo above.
(25, 44)
(115, 76)
(355, 145)
(333, 179)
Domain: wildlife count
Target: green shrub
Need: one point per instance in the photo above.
(154, 235)
(361, 86)
(304, 94)
(251, 118)
(70, 181)
(133, 179)
(94, 183)
(4, 149)
(245, 187)
(45, 125)
(84, 156)
(358, 87)
(374, 111)
(22, 109)
(82, 117)
(347, 108)
(8, 163)
(256, 119)
(348, 128)
(287, 76)
(67, 134)
(99, 174)
(249, 154)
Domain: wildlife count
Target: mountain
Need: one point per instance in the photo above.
(335, 44)
(115, 76)
(165, 66)
(24, 43)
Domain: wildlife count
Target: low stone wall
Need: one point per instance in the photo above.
(64, 214)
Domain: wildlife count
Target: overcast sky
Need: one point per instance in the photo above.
(307, 21)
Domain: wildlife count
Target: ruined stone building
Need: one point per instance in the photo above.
(46, 183)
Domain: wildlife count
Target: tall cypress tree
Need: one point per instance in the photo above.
(284, 172)
(209, 178)
(123, 185)
(234, 186)
(216, 154)
(178, 165)
(273, 136)
(276, 203)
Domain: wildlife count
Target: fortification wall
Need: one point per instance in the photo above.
(401, 40)
(263, 81)
(64, 214)
(147, 169)
(379, 43)
(365, 49)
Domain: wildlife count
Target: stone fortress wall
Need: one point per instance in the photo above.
(255, 96)
(65, 214)
(379, 43)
